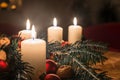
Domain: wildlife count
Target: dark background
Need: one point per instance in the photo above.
(42, 12)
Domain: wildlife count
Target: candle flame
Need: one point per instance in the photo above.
(75, 21)
(55, 22)
(28, 24)
(33, 32)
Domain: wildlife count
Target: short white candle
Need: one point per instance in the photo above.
(34, 52)
(55, 33)
(26, 34)
(74, 32)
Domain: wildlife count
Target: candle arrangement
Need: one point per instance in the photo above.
(55, 33)
(69, 60)
(34, 50)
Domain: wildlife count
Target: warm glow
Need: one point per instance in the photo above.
(54, 22)
(28, 24)
(13, 7)
(75, 21)
(33, 32)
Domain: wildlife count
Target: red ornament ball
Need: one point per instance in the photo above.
(65, 43)
(51, 66)
(52, 77)
(3, 65)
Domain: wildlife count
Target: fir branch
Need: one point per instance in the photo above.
(88, 56)
(90, 52)
(80, 56)
(85, 68)
(88, 44)
(54, 47)
(18, 70)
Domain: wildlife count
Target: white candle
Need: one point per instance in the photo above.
(34, 52)
(26, 34)
(55, 33)
(74, 32)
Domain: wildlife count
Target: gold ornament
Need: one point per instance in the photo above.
(4, 41)
(4, 5)
(2, 55)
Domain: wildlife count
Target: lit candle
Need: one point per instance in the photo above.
(74, 32)
(34, 52)
(55, 33)
(26, 34)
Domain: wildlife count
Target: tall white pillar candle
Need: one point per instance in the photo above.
(55, 33)
(26, 34)
(74, 32)
(34, 52)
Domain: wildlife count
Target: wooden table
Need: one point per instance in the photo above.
(112, 65)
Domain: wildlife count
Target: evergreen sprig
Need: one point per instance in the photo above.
(81, 56)
(17, 69)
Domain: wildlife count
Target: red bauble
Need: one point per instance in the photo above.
(65, 43)
(3, 65)
(52, 77)
(51, 66)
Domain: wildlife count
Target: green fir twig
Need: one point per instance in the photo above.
(81, 55)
